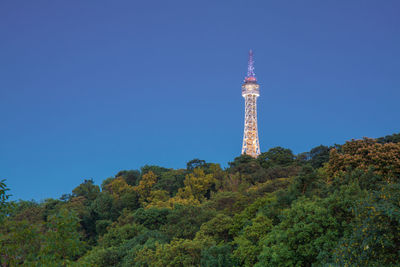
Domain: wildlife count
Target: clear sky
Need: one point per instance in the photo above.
(88, 88)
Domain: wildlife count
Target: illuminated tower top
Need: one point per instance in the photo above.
(250, 85)
(251, 76)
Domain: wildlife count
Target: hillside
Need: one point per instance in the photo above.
(332, 206)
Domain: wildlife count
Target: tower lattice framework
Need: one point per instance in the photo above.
(250, 92)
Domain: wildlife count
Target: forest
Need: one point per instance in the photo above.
(331, 206)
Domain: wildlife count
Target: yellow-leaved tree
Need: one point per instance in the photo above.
(145, 186)
(364, 154)
(197, 186)
(118, 187)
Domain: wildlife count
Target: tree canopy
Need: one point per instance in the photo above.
(330, 206)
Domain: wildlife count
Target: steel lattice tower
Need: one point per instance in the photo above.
(250, 92)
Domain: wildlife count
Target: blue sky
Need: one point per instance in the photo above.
(88, 88)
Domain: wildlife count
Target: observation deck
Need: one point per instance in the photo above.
(250, 87)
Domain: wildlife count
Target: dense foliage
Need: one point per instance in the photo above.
(332, 206)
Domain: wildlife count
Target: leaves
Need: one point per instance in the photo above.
(364, 154)
(328, 207)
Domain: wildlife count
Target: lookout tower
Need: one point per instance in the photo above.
(250, 92)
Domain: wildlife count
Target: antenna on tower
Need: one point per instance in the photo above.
(251, 76)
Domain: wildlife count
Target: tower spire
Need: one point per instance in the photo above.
(251, 76)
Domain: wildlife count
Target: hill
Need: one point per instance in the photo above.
(332, 206)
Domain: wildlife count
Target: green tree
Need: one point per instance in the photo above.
(217, 228)
(374, 238)
(62, 241)
(276, 156)
(152, 218)
(308, 182)
(217, 256)
(248, 168)
(23, 210)
(179, 252)
(195, 163)
(318, 156)
(157, 170)
(87, 189)
(102, 257)
(250, 241)
(306, 232)
(131, 177)
(185, 221)
(51, 206)
(394, 138)
(230, 203)
(117, 235)
(3, 199)
(19, 242)
(146, 239)
(102, 208)
(170, 181)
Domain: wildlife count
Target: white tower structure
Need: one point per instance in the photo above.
(250, 92)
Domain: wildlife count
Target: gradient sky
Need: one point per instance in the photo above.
(88, 88)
